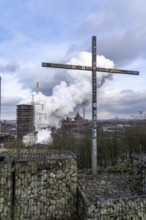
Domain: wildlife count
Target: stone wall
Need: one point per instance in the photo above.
(39, 189)
(139, 172)
(113, 209)
(5, 191)
(44, 186)
(109, 196)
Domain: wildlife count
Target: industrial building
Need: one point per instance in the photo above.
(25, 120)
(76, 124)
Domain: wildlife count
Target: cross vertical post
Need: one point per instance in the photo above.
(94, 108)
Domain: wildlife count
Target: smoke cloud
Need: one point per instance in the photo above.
(67, 96)
(9, 67)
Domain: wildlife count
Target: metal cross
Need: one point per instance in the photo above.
(94, 69)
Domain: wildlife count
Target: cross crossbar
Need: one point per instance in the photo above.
(89, 68)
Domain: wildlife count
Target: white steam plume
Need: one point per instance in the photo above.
(66, 97)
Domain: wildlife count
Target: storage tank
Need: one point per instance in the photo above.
(25, 120)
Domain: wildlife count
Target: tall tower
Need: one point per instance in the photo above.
(25, 120)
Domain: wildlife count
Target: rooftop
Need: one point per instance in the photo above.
(38, 156)
(105, 186)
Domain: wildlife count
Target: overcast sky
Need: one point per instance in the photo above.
(36, 31)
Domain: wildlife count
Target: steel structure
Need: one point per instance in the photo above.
(94, 69)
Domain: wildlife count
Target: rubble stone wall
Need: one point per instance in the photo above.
(45, 190)
(38, 190)
(139, 175)
(6, 191)
(112, 209)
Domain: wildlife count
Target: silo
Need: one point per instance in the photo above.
(25, 120)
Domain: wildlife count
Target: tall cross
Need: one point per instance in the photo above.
(93, 69)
